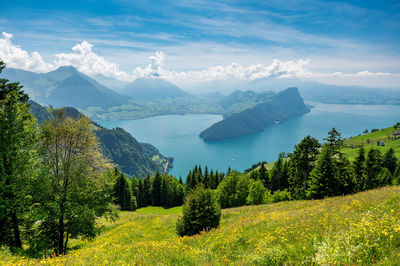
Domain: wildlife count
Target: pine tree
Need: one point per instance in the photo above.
(206, 180)
(360, 172)
(390, 161)
(323, 181)
(156, 190)
(122, 193)
(141, 194)
(263, 175)
(276, 174)
(373, 168)
(302, 163)
(147, 192)
(164, 198)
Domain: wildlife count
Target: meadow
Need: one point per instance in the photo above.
(370, 140)
(363, 228)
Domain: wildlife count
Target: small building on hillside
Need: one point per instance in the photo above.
(380, 143)
(396, 132)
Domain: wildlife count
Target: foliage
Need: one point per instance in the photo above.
(256, 193)
(201, 211)
(77, 190)
(18, 159)
(122, 192)
(233, 190)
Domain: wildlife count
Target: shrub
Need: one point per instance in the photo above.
(281, 195)
(201, 211)
(256, 193)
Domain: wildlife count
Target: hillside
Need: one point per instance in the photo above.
(278, 108)
(238, 101)
(370, 140)
(133, 158)
(153, 88)
(356, 229)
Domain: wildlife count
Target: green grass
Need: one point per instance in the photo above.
(357, 229)
(159, 210)
(385, 135)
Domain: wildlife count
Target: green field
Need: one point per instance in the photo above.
(370, 140)
(357, 229)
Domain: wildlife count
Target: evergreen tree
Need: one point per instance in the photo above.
(206, 180)
(156, 190)
(18, 157)
(147, 192)
(164, 198)
(256, 193)
(122, 193)
(360, 172)
(141, 194)
(322, 181)
(390, 161)
(263, 175)
(284, 181)
(345, 176)
(201, 211)
(373, 168)
(213, 181)
(276, 174)
(302, 163)
(334, 141)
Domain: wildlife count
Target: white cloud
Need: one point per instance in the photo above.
(88, 62)
(15, 57)
(154, 69)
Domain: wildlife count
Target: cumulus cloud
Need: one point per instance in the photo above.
(154, 69)
(90, 63)
(15, 57)
(87, 61)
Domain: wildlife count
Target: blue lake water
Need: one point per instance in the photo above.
(177, 136)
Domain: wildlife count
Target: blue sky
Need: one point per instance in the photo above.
(335, 36)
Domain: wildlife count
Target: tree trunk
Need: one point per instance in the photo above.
(17, 235)
(66, 243)
(61, 232)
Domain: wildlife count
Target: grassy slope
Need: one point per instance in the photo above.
(353, 229)
(380, 135)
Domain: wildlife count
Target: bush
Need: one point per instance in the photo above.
(201, 211)
(268, 198)
(256, 193)
(281, 195)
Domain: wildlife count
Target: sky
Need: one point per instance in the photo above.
(336, 42)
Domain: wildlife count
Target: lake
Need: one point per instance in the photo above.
(177, 135)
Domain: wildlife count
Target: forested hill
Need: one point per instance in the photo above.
(284, 105)
(133, 158)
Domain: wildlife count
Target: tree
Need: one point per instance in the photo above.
(78, 191)
(147, 191)
(263, 175)
(302, 163)
(390, 161)
(122, 192)
(360, 172)
(164, 198)
(141, 194)
(322, 181)
(256, 193)
(156, 190)
(201, 211)
(373, 168)
(18, 157)
(334, 141)
(233, 190)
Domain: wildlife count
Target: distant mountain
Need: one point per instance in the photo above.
(278, 108)
(238, 101)
(152, 89)
(222, 86)
(112, 83)
(66, 86)
(325, 93)
(134, 158)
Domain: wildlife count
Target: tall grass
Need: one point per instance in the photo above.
(357, 229)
